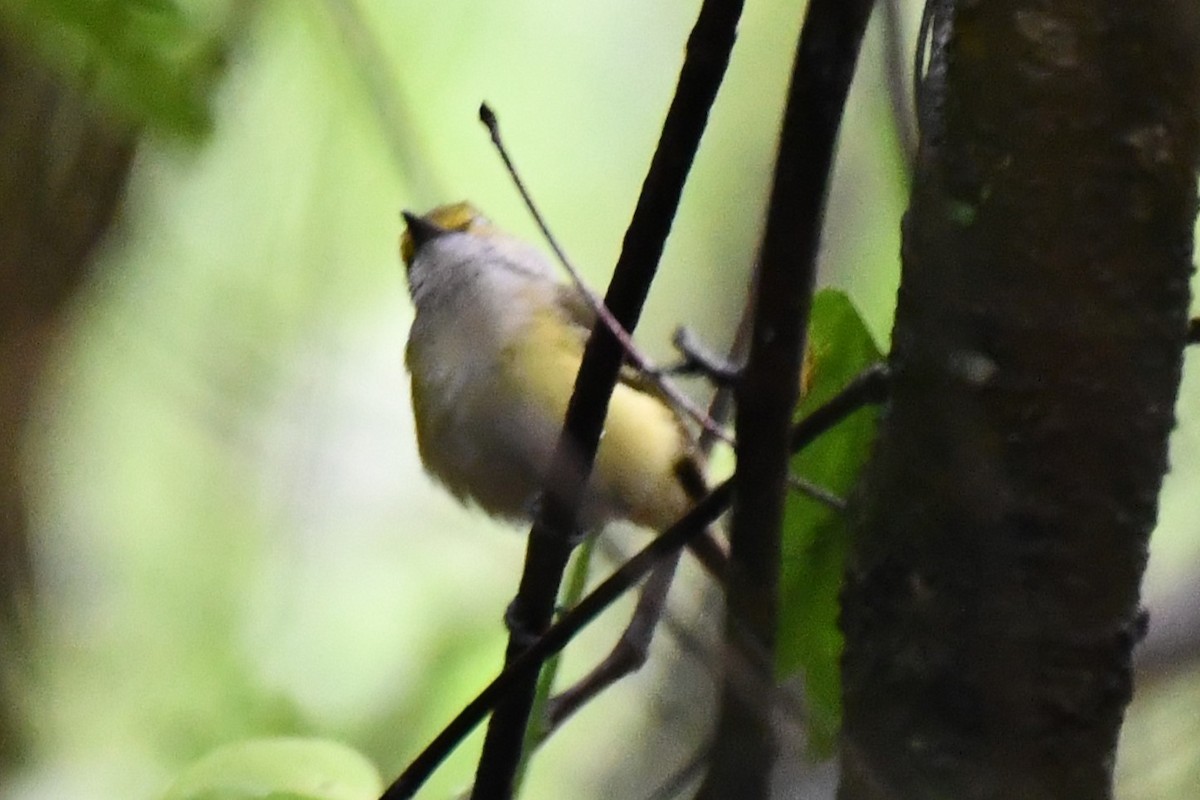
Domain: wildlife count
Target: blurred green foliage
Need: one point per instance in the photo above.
(147, 58)
(234, 535)
(279, 769)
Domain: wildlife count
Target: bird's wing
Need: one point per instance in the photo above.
(575, 308)
(581, 318)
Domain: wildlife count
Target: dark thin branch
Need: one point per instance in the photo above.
(550, 540)
(629, 654)
(525, 665)
(1193, 334)
(631, 651)
(769, 388)
(869, 387)
(929, 70)
(696, 359)
(897, 76)
(721, 406)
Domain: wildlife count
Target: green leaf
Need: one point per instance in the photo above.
(279, 769)
(145, 58)
(815, 537)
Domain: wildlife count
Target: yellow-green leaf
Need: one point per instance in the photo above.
(815, 535)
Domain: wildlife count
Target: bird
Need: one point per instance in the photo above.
(493, 351)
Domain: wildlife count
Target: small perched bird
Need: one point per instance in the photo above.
(493, 352)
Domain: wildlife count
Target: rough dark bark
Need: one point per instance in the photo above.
(991, 605)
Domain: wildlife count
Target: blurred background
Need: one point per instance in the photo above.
(215, 525)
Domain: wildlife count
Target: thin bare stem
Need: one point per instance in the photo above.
(818, 493)
(643, 363)
(629, 655)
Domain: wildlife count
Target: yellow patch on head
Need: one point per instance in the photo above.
(461, 216)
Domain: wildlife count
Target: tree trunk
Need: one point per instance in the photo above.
(991, 605)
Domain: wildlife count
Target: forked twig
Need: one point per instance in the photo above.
(632, 648)
(868, 388)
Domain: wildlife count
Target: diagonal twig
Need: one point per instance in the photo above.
(639, 359)
(868, 388)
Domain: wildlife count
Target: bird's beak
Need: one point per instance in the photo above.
(421, 230)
